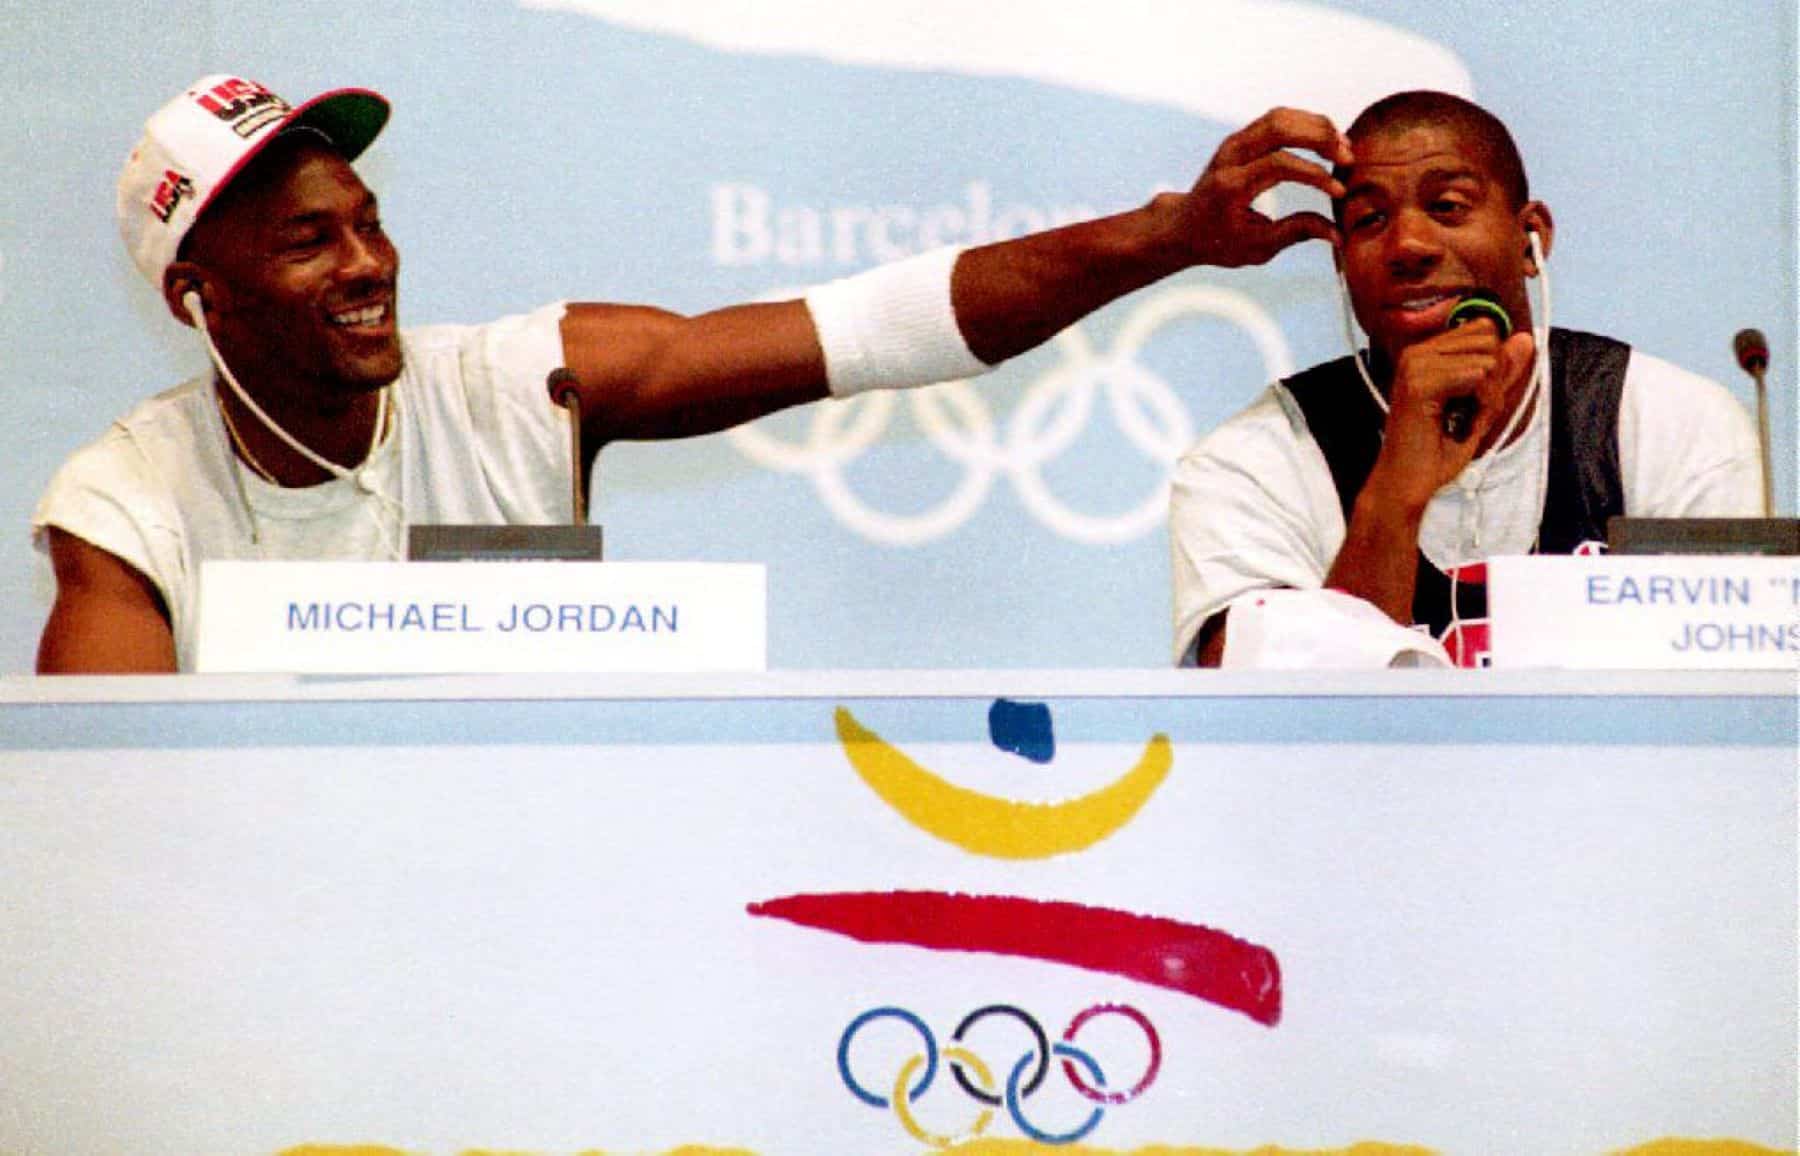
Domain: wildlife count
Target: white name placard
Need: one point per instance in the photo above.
(458, 617)
(1644, 612)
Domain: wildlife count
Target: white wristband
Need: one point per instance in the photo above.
(892, 327)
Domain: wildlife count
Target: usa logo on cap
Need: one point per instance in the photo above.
(197, 143)
(243, 104)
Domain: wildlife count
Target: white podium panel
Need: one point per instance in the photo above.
(868, 914)
(1645, 612)
(499, 617)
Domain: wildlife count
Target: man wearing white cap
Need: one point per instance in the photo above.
(325, 429)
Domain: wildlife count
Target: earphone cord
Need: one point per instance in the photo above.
(191, 301)
(1539, 387)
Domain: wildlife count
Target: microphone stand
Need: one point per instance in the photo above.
(577, 541)
(1752, 351)
(1762, 437)
(562, 385)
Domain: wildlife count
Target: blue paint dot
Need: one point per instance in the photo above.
(1023, 729)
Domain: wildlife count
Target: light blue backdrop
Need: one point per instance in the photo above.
(682, 155)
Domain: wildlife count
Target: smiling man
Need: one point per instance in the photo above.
(325, 429)
(1362, 496)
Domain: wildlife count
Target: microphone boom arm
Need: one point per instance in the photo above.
(565, 391)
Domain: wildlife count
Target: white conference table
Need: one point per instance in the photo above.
(1491, 912)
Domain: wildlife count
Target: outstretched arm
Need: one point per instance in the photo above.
(647, 373)
(108, 618)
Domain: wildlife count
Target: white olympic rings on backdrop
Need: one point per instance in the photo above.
(1051, 415)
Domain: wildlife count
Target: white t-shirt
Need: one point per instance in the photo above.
(1254, 506)
(474, 439)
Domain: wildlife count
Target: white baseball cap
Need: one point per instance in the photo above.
(197, 143)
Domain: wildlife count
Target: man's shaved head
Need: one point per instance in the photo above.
(1479, 129)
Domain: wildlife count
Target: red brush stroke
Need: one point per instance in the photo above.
(1183, 957)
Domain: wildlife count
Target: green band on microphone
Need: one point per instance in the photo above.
(1480, 304)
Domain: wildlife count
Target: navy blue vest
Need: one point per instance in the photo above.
(1587, 374)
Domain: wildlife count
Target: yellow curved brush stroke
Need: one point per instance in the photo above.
(1674, 1146)
(1023, 1147)
(969, 1147)
(1000, 828)
(989, 1146)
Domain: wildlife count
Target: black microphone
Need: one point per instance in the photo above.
(565, 390)
(1459, 412)
(1752, 350)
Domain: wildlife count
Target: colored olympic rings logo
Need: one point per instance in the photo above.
(914, 1077)
(1051, 415)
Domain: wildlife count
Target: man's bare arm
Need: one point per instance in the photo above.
(108, 618)
(647, 373)
(1378, 561)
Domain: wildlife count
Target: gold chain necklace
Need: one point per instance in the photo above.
(383, 423)
(237, 442)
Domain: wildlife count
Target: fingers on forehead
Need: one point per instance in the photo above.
(1297, 227)
(1286, 128)
(1285, 166)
